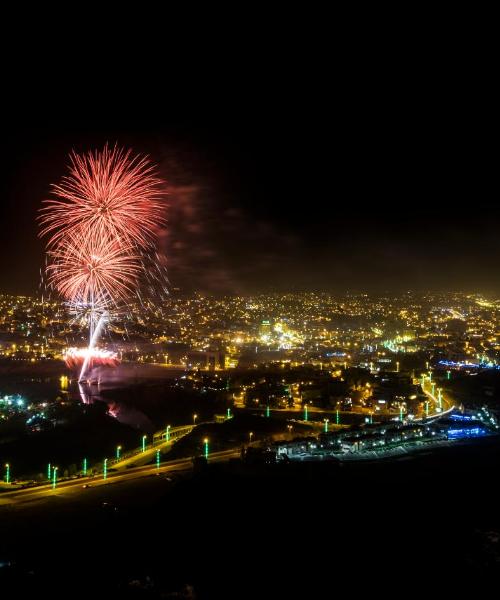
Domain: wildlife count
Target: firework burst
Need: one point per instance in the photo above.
(108, 193)
(101, 228)
(97, 272)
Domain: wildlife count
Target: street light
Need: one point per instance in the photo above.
(49, 471)
(290, 427)
(305, 413)
(85, 467)
(167, 434)
(7, 473)
(105, 469)
(118, 448)
(195, 416)
(250, 436)
(205, 441)
(158, 459)
(144, 438)
(326, 425)
(54, 477)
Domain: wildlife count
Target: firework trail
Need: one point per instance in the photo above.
(101, 231)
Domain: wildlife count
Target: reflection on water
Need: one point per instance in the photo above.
(123, 375)
(121, 412)
(50, 381)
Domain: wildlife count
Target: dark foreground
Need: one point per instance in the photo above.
(248, 531)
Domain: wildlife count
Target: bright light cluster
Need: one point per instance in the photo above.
(75, 357)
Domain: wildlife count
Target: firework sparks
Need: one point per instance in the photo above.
(95, 272)
(101, 227)
(75, 357)
(108, 193)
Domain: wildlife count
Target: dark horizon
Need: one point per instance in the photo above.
(394, 200)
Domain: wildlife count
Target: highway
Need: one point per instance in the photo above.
(78, 486)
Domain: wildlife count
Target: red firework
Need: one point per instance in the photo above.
(108, 193)
(93, 271)
(75, 357)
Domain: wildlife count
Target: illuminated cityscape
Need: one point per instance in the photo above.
(217, 381)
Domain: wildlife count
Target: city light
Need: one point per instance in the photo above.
(144, 438)
(54, 477)
(205, 441)
(167, 433)
(84, 467)
(105, 469)
(157, 458)
(7, 473)
(118, 450)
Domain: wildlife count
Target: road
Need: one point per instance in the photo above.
(76, 486)
(138, 457)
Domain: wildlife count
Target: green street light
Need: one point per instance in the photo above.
(448, 374)
(54, 477)
(118, 448)
(306, 416)
(167, 434)
(105, 469)
(158, 458)
(144, 438)
(228, 413)
(49, 471)
(195, 416)
(326, 425)
(85, 467)
(7, 473)
(205, 441)
(337, 417)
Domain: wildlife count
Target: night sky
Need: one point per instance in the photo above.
(392, 193)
